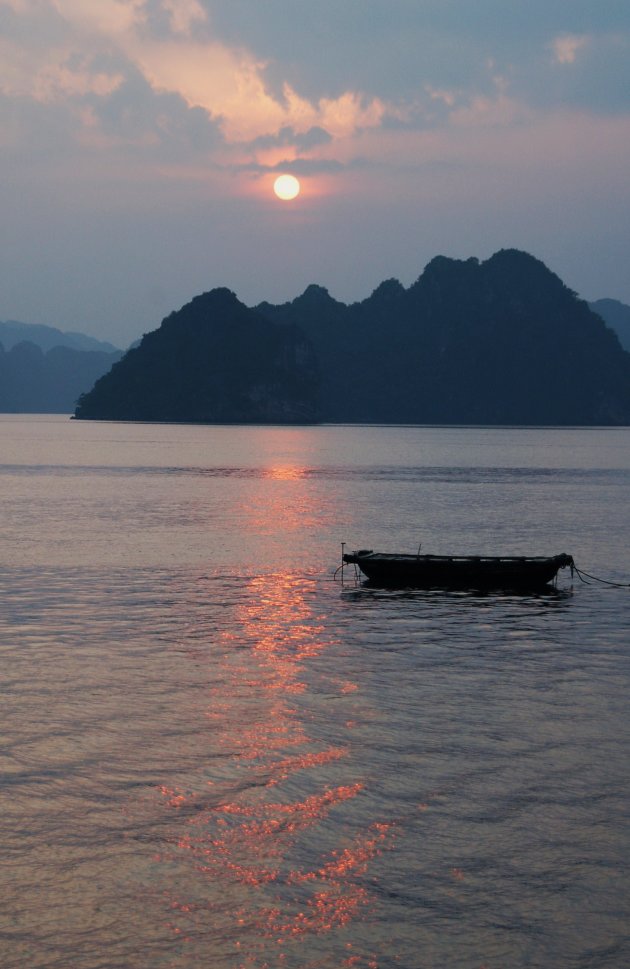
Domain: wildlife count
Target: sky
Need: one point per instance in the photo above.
(140, 139)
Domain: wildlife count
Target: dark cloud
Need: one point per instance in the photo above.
(37, 29)
(390, 50)
(158, 21)
(394, 49)
(288, 136)
(136, 113)
(298, 166)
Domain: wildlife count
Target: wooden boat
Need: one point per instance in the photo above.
(458, 571)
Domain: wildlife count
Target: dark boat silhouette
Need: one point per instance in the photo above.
(399, 570)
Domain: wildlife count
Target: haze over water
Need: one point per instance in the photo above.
(216, 755)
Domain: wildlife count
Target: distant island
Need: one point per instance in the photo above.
(34, 381)
(497, 342)
(49, 337)
(43, 370)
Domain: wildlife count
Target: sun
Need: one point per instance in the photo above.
(286, 187)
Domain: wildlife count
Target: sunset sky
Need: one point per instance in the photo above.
(140, 140)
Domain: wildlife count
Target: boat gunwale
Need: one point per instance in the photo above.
(410, 557)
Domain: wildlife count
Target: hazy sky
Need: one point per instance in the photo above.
(139, 141)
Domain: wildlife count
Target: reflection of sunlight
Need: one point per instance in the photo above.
(275, 832)
(282, 634)
(284, 472)
(288, 502)
(287, 496)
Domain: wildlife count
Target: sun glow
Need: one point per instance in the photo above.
(286, 187)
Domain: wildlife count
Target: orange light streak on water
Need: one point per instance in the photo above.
(252, 848)
(352, 859)
(285, 472)
(285, 767)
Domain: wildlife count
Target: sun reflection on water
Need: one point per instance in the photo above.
(285, 472)
(284, 849)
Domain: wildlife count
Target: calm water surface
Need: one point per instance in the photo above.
(215, 755)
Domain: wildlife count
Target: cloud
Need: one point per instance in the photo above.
(298, 166)
(392, 49)
(565, 48)
(260, 69)
(312, 138)
(580, 72)
(134, 113)
(385, 108)
(183, 15)
(105, 17)
(133, 69)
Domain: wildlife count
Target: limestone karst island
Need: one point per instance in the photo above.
(497, 342)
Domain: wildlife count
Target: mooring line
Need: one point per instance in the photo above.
(596, 578)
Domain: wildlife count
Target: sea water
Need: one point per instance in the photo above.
(217, 754)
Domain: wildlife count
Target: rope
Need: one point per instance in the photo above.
(595, 578)
(340, 569)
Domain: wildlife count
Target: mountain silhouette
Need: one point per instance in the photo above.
(616, 315)
(213, 361)
(497, 342)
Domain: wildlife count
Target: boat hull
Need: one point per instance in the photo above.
(458, 572)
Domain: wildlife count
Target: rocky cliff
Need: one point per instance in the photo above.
(213, 361)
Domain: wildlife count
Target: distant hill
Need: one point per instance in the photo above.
(496, 342)
(213, 361)
(47, 337)
(615, 315)
(36, 382)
